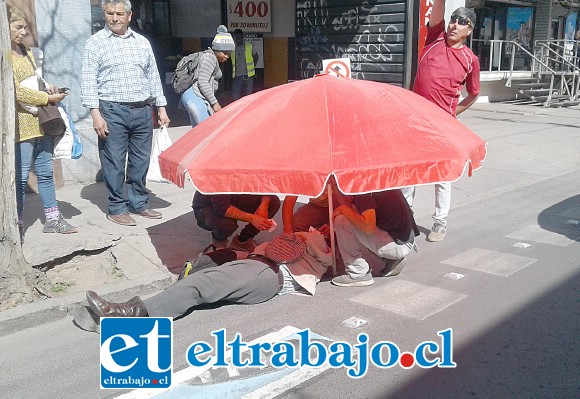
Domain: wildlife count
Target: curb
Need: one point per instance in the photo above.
(144, 277)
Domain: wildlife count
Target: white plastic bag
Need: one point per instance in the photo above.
(30, 82)
(161, 142)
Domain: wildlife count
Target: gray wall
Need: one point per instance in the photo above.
(200, 18)
(63, 28)
(283, 18)
(195, 18)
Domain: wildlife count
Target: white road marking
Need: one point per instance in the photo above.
(192, 372)
(286, 383)
(488, 261)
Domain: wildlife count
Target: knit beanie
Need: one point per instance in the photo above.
(223, 40)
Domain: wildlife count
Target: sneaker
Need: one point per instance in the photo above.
(393, 267)
(59, 226)
(247, 246)
(346, 281)
(437, 233)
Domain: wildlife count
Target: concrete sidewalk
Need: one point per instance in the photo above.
(119, 261)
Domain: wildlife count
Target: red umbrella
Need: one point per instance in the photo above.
(289, 139)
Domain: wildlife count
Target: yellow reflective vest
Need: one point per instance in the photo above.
(249, 60)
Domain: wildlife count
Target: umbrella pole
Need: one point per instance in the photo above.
(331, 224)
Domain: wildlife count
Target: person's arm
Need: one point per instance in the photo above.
(156, 88)
(162, 117)
(259, 222)
(437, 12)
(466, 103)
(207, 65)
(472, 85)
(288, 213)
(255, 56)
(365, 222)
(262, 209)
(30, 96)
(89, 96)
(99, 123)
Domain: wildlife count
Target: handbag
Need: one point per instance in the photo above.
(50, 118)
(48, 115)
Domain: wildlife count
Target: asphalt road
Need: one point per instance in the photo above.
(514, 314)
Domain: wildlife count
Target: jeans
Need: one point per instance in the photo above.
(242, 87)
(128, 143)
(351, 241)
(37, 152)
(195, 106)
(442, 201)
(222, 227)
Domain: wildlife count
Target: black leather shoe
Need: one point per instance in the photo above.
(134, 307)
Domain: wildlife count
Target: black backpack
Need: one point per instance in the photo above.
(185, 72)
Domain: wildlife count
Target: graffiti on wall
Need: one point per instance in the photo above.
(371, 34)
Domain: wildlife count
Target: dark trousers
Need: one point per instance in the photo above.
(244, 281)
(130, 136)
(222, 227)
(242, 86)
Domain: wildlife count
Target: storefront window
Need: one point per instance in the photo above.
(497, 26)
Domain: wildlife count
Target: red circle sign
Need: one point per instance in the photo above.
(337, 68)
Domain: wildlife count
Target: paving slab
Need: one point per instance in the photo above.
(409, 299)
(490, 261)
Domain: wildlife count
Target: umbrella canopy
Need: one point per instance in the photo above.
(289, 139)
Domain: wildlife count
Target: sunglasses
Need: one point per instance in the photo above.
(460, 20)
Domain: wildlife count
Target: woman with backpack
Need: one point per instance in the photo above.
(199, 100)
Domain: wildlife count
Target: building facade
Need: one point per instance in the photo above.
(382, 39)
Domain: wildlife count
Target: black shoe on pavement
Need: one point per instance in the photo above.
(134, 307)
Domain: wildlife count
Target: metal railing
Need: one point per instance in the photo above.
(551, 57)
(563, 55)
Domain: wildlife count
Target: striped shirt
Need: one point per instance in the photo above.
(119, 68)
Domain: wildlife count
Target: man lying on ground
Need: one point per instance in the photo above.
(289, 264)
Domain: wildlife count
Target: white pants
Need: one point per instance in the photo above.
(442, 201)
(351, 242)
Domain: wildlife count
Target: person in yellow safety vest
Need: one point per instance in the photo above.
(244, 60)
